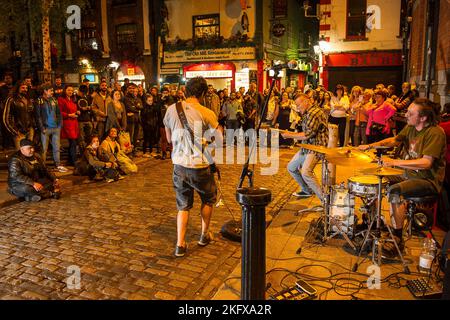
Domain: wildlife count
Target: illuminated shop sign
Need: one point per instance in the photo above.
(210, 74)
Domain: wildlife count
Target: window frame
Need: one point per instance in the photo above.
(123, 44)
(355, 18)
(205, 16)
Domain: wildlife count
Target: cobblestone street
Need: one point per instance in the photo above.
(122, 236)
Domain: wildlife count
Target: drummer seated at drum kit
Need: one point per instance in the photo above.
(424, 145)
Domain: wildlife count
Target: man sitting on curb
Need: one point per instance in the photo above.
(28, 177)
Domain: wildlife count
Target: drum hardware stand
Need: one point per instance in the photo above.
(376, 234)
(326, 209)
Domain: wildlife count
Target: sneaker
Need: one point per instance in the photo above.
(205, 239)
(163, 157)
(109, 180)
(62, 169)
(33, 198)
(389, 251)
(302, 194)
(180, 251)
(55, 195)
(146, 155)
(120, 177)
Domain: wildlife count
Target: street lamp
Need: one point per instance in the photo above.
(324, 45)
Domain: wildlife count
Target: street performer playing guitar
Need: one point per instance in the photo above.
(424, 144)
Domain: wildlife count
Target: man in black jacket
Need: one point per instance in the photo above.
(28, 177)
(133, 106)
(18, 115)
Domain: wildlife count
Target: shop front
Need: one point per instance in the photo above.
(365, 69)
(229, 68)
(129, 70)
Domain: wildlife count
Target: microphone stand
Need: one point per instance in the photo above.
(253, 201)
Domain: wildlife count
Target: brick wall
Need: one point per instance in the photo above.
(417, 38)
(443, 47)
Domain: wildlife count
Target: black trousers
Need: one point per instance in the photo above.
(340, 122)
(23, 190)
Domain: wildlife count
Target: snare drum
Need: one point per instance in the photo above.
(342, 205)
(365, 186)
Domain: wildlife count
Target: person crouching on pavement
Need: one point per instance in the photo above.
(90, 165)
(28, 177)
(192, 170)
(110, 151)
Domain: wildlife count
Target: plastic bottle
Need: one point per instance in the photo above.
(427, 254)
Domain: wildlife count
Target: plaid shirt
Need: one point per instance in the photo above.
(315, 126)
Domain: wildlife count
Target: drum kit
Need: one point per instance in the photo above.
(338, 216)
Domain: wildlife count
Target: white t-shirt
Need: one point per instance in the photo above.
(203, 123)
(343, 102)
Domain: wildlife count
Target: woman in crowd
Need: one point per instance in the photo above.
(69, 130)
(326, 102)
(356, 102)
(90, 164)
(110, 151)
(283, 117)
(378, 124)
(149, 122)
(362, 117)
(338, 115)
(117, 115)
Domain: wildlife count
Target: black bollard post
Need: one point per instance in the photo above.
(253, 202)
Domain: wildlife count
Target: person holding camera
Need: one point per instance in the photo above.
(193, 164)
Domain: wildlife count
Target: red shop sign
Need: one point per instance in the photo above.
(366, 59)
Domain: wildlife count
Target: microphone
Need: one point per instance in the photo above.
(289, 65)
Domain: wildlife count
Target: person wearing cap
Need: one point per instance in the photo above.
(49, 120)
(28, 177)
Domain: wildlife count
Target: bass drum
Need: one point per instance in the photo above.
(342, 209)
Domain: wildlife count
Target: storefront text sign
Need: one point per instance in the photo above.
(246, 53)
(364, 59)
(210, 74)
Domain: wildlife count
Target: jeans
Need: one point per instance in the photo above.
(360, 134)
(133, 129)
(54, 133)
(301, 168)
(22, 190)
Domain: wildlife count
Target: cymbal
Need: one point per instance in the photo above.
(319, 149)
(383, 171)
(348, 157)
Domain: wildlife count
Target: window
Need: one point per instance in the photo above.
(87, 38)
(206, 26)
(126, 35)
(356, 19)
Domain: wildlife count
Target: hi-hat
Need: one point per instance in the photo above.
(382, 171)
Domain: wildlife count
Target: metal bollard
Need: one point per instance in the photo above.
(253, 201)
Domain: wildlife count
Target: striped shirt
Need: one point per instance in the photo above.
(314, 125)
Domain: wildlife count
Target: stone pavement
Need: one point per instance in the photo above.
(121, 236)
(285, 236)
